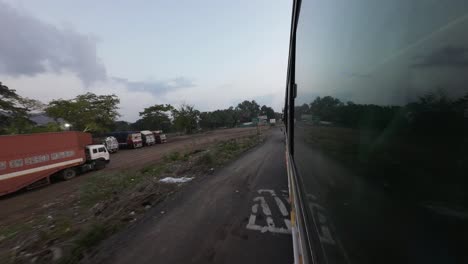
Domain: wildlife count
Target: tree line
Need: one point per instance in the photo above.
(187, 119)
(99, 113)
(431, 113)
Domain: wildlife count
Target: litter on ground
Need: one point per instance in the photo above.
(176, 180)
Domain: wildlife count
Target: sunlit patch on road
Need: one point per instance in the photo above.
(275, 218)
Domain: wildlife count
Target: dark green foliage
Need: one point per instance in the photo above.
(248, 110)
(14, 111)
(87, 112)
(155, 117)
(432, 113)
(186, 118)
(268, 111)
(219, 118)
(122, 126)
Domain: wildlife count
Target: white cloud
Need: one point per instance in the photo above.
(29, 46)
(46, 62)
(48, 86)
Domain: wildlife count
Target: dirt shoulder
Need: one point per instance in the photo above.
(67, 218)
(214, 219)
(24, 204)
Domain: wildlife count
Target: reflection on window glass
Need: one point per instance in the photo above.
(381, 121)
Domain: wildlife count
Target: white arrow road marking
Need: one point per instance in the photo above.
(263, 204)
(270, 227)
(281, 206)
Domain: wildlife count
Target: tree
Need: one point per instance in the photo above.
(248, 110)
(436, 114)
(325, 108)
(87, 112)
(122, 126)
(186, 118)
(268, 111)
(301, 110)
(231, 118)
(155, 117)
(49, 127)
(14, 111)
(219, 118)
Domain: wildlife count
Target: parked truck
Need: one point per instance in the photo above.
(148, 138)
(30, 160)
(128, 139)
(159, 136)
(110, 142)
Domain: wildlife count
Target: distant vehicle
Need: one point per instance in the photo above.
(272, 121)
(30, 160)
(128, 139)
(148, 138)
(159, 136)
(110, 142)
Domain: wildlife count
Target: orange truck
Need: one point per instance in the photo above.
(30, 160)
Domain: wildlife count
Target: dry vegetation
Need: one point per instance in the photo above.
(63, 232)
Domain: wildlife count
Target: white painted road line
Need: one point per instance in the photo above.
(255, 208)
(263, 204)
(271, 192)
(281, 206)
(270, 223)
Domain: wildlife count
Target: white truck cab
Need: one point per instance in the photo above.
(97, 152)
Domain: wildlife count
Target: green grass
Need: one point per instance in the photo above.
(89, 239)
(207, 159)
(11, 231)
(174, 156)
(103, 186)
(227, 150)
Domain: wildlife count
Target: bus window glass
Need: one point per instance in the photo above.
(380, 138)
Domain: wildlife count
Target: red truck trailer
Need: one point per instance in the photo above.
(30, 160)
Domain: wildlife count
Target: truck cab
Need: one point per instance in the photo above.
(111, 143)
(97, 152)
(134, 140)
(148, 137)
(159, 136)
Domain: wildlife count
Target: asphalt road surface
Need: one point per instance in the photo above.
(239, 214)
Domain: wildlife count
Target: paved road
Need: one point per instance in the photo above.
(239, 214)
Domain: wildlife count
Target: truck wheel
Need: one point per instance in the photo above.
(99, 164)
(68, 174)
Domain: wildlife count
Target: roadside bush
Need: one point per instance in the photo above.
(174, 156)
(207, 159)
(229, 146)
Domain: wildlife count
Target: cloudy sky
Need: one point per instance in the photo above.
(208, 53)
(381, 52)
